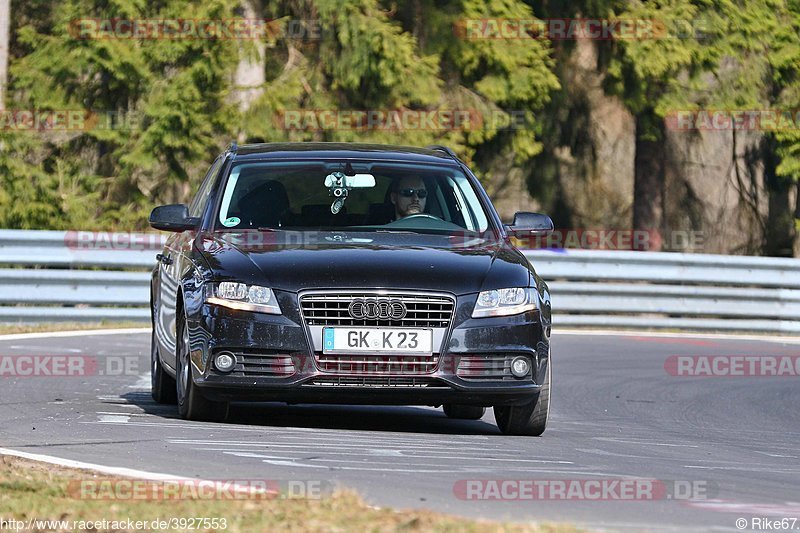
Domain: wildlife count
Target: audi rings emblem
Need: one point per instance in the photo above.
(377, 309)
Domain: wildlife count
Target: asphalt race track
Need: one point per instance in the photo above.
(616, 413)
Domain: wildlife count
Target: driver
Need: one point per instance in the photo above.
(408, 196)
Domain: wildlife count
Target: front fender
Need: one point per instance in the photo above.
(545, 306)
(195, 277)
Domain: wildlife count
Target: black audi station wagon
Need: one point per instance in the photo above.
(350, 274)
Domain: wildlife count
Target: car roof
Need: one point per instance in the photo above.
(326, 150)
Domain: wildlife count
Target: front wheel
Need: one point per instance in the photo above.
(192, 405)
(527, 419)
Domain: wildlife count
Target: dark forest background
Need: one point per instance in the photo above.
(578, 128)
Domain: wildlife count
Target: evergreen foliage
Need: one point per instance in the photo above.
(159, 110)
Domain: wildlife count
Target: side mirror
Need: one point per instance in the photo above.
(530, 224)
(174, 217)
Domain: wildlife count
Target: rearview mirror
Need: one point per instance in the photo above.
(530, 224)
(173, 217)
(359, 181)
(339, 186)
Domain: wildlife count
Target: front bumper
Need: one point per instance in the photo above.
(215, 329)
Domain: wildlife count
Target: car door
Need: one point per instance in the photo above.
(175, 259)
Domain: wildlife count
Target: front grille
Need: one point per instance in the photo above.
(372, 381)
(486, 367)
(377, 364)
(423, 311)
(265, 364)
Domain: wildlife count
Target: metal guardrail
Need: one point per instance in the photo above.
(82, 276)
(639, 290)
(79, 249)
(53, 276)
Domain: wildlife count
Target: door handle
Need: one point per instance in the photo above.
(164, 259)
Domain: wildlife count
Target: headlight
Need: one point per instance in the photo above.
(243, 297)
(505, 302)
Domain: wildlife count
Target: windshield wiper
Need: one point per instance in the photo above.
(404, 231)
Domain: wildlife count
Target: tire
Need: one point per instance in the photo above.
(162, 385)
(528, 419)
(464, 412)
(192, 405)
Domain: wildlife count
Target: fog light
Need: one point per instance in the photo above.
(224, 361)
(520, 367)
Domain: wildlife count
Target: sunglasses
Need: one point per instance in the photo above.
(408, 193)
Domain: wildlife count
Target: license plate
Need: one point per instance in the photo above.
(377, 340)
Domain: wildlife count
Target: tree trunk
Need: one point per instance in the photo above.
(419, 24)
(250, 76)
(5, 24)
(648, 185)
(780, 230)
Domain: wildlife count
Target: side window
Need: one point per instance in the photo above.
(201, 199)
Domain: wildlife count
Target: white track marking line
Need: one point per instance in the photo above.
(368, 455)
(776, 455)
(333, 440)
(112, 470)
(115, 419)
(125, 472)
(73, 333)
(251, 429)
(344, 449)
(338, 446)
(288, 461)
(776, 470)
(164, 425)
(643, 442)
(275, 460)
(787, 509)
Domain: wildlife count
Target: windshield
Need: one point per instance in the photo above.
(355, 196)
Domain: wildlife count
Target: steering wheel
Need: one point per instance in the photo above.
(424, 215)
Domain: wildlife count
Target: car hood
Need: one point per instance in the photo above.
(294, 261)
